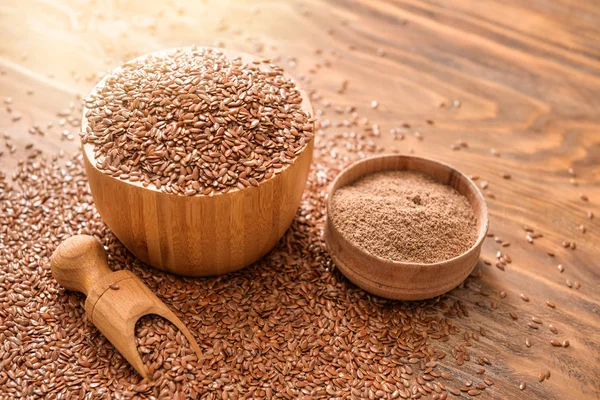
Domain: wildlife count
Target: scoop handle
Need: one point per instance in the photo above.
(78, 262)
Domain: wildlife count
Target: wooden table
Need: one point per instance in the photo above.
(518, 78)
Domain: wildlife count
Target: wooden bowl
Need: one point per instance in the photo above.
(199, 235)
(405, 280)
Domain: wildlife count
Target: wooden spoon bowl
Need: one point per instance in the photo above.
(199, 235)
(404, 280)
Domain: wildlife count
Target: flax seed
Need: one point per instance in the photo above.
(210, 121)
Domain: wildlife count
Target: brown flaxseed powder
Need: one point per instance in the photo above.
(405, 216)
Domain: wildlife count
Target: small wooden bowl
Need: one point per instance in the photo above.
(404, 280)
(199, 235)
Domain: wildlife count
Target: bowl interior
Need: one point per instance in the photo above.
(441, 172)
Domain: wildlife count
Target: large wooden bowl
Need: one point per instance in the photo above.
(199, 235)
(404, 280)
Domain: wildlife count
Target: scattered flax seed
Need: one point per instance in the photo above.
(522, 385)
(374, 104)
(483, 184)
(577, 284)
(494, 152)
(488, 381)
(502, 294)
(550, 253)
(474, 392)
(532, 325)
(556, 343)
(527, 342)
(566, 243)
(569, 283)
(582, 228)
(524, 297)
(571, 171)
(548, 374)
(560, 267)
(529, 239)
(583, 197)
(50, 200)
(480, 371)
(506, 175)
(553, 329)
(565, 343)
(550, 304)
(513, 315)
(590, 215)
(542, 376)
(536, 320)
(456, 103)
(527, 228)
(115, 286)
(573, 245)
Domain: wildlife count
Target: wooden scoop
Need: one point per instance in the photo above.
(115, 300)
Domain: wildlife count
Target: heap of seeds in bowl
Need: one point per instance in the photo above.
(196, 122)
(405, 216)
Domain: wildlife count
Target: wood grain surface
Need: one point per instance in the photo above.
(526, 75)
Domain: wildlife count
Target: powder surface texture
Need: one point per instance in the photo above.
(405, 216)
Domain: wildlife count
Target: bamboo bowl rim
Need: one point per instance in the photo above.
(88, 148)
(482, 224)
